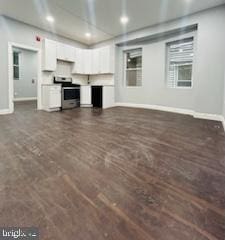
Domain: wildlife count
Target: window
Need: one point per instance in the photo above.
(16, 72)
(180, 63)
(133, 68)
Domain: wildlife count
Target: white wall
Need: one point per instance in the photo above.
(28, 63)
(210, 62)
(223, 111)
(14, 31)
(206, 96)
(154, 90)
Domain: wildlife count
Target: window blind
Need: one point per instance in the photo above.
(179, 53)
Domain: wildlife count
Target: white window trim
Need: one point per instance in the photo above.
(125, 68)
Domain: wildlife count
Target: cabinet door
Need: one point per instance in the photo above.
(85, 95)
(95, 64)
(70, 53)
(108, 96)
(78, 65)
(102, 62)
(106, 60)
(61, 51)
(55, 99)
(65, 52)
(49, 55)
(80, 61)
(87, 61)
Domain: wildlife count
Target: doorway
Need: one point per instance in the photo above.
(24, 76)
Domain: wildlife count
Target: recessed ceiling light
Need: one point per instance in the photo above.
(50, 19)
(124, 19)
(88, 34)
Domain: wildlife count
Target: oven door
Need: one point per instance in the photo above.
(71, 93)
(70, 97)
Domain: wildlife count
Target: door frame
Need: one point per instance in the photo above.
(11, 45)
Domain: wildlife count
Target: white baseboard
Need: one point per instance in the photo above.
(208, 116)
(223, 122)
(24, 99)
(215, 117)
(5, 111)
(156, 107)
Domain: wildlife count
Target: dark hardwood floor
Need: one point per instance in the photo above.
(121, 173)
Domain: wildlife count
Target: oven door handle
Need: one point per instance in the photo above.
(71, 88)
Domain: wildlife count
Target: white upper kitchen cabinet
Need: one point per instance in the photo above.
(78, 67)
(94, 61)
(65, 52)
(95, 64)
(106, 56)
(49, 55)
(87, 61)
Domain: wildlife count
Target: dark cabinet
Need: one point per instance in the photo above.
(97, 96)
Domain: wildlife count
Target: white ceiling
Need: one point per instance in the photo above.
(73, 18)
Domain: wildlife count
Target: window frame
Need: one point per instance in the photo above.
(133, 69)
(177, 76)
(183, 38)
(16, 65)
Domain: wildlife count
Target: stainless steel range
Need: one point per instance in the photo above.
(70, 92)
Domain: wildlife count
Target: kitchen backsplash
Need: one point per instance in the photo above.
(104, 79)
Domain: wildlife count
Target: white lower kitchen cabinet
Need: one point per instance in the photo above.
(51, 97)
(85, 96)
(108, 98)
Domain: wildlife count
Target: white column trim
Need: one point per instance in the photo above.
(5, 111)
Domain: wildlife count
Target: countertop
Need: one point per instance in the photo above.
(52, 84)
(104, 85)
